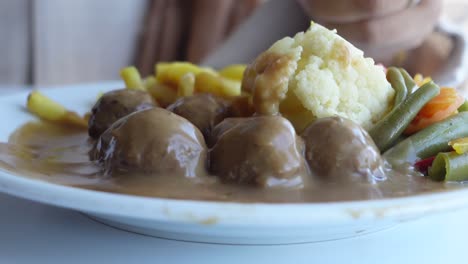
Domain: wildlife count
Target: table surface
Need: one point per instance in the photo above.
(35, 233)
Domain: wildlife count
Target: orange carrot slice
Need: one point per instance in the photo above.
(439, 108)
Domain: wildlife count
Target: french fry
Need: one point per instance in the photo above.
(170, 73)
(149, 82)
(131, 77)
(163, 94)
(229, 88)
(47, 109)
(207, 83)
(186, 85)
(212, 83)
(233, 72)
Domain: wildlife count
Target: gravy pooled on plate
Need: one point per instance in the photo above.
(156, 153)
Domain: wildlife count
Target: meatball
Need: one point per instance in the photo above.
(152, 141)
(204, 111)
(222, 127)
(339, 149)
(114, 105)
(263, 151)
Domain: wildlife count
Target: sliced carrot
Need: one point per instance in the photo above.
(445, 101)
(439, 108)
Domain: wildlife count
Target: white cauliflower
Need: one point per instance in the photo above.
(325, 76)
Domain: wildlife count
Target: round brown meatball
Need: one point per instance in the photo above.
(114, 105)
(222, 127)
(155, 141)
(262, 151)
(339, 149)
(204, 111)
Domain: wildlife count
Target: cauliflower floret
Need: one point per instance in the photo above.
(332, 78)
(267, 78)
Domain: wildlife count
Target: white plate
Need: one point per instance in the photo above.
(216, 222)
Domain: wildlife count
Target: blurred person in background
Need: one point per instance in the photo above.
(56, 42)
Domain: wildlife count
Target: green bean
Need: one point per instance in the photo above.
(449, 167)
(386, 131)
(463, 107)
(398, 83)
(409, 81)
(431, 140)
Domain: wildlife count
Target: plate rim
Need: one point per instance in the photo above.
(222, 212)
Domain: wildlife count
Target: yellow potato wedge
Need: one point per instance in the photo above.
(131, 76)
(207, 83)
(230, 88)
(149, 82)
(212, 83)
(163, 94)
(47, 109)
(459, 145)
(170, 73)
(233, 72)
(186, 85)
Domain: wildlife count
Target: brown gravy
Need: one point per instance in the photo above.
(60, 155)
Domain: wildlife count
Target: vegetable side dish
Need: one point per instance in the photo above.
(309, 120)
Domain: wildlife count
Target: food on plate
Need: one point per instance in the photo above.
(184, 79)
(113, 105)
(163, 94)
(152, 140)
(49, 110)
(262, 150)
(310, 119)
(207, 82)
(131, 77)
(234, 72)
(396, 79)
(340, 149)
(410, 82)
(437, 109)
(449, 166)
(324, 75)
(460, 145)
(203, 110)
(387, 131)
(267, 77)
(431, 140)
(170, 73)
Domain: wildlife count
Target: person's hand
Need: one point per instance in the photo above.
(380, 27)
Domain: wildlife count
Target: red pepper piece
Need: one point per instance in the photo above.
(423, 165)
